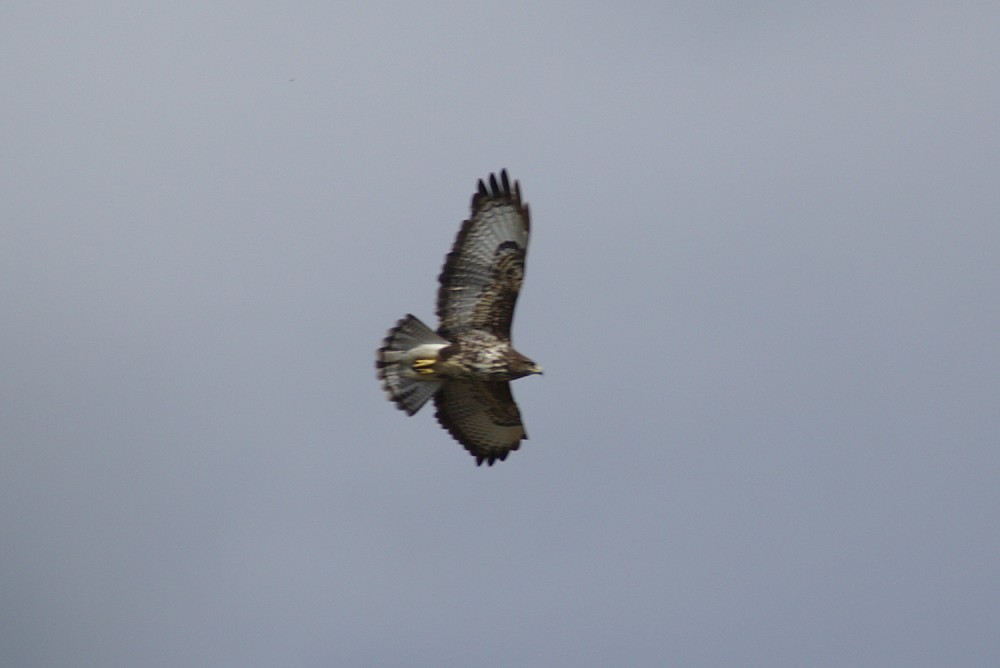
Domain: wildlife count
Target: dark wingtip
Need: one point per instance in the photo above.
(489, 460)
(494, 186)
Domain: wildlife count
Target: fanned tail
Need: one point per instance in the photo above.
(407, 390)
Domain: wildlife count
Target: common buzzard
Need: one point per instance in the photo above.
(467, 365)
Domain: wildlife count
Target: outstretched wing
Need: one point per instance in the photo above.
(482, 416)
(483, 272)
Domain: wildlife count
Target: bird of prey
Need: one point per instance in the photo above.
(468, 363)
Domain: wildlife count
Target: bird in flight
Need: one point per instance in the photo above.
(468, 363)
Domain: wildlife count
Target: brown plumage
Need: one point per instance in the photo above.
(467, 365)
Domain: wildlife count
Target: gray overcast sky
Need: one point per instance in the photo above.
(763, 283)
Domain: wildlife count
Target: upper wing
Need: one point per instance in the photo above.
(482, 416)
(483, 272)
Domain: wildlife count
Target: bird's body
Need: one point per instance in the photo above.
(466, 365)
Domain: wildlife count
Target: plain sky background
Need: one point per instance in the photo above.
(763, 282)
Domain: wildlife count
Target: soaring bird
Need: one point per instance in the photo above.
(468, 363)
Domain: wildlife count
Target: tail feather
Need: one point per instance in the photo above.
(406, 390)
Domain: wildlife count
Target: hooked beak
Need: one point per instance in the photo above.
(537, 369)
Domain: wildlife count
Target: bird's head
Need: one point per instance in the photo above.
(522, 366)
